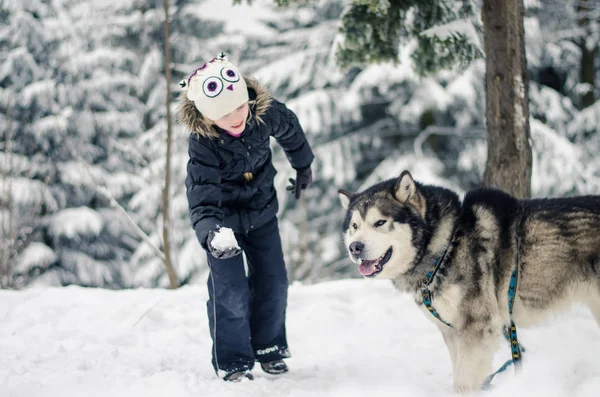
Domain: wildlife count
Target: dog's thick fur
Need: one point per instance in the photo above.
(397, 229)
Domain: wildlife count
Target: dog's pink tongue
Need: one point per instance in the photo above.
(366, 268)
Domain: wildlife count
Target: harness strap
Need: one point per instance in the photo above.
(514, 341)
(426, 293)
(510, 333)
(427, 302)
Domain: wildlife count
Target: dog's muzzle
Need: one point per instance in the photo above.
(372, 267)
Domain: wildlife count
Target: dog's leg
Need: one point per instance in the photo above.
(475, 352)
(451, 339)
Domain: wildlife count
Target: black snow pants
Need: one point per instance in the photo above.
(246, 313)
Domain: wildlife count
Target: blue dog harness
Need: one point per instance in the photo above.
(510, 333)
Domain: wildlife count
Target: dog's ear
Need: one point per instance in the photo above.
(407, 192)
(405, 187)
(345, 198)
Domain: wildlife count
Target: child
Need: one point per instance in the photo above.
(230, 186)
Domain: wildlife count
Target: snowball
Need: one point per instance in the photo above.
(224, 239)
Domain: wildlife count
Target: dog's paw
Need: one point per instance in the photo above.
(461, 388)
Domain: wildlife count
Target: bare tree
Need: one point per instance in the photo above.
(589, 51)
(166, 190)
(509, 160)
(7, 232)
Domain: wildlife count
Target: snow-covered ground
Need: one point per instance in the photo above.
(348, 338)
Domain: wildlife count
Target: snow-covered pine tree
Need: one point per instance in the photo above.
(27, 127)
(78, 116)
(362, 123)
(355, 119)
(564, 139)
(572, 32)
(446, 35)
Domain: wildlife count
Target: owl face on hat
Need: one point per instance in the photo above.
(217, 88)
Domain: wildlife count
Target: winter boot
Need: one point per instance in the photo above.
(276, 367)
(238, 376)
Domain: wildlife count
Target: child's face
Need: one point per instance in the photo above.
(234, 122)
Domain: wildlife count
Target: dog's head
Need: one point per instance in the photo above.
(384, 225)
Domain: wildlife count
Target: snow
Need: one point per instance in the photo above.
(224, 239)
(40, 91)
(240, 19)
(35, 255)
(50, 126)
(382, 76)
(533, 48)
(73, 222)
(560, 161)
(530, 4)
(583, 88)
(464, 86)
(425, 170)
(462, 27)
(27, 194)
(348, 338)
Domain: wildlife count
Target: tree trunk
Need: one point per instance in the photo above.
(589, 51)
(7, 226)
(167, 191)
(5, 203)
(509, 159)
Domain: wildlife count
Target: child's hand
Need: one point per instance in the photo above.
(302, 181)
(222, 243)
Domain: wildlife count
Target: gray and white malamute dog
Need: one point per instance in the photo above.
(550, 248)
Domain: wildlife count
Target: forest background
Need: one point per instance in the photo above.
(83, 127)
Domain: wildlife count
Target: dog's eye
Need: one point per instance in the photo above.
(354, 226)
(380, 223)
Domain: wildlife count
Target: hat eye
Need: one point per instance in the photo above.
(230, 75)
(212, 86)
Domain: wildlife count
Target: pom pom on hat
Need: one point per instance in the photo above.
(217, 88)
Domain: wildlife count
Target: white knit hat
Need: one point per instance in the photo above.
(216, 88)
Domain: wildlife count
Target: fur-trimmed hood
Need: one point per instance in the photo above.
(187, 114)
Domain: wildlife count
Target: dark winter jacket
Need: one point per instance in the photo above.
(230, 179)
